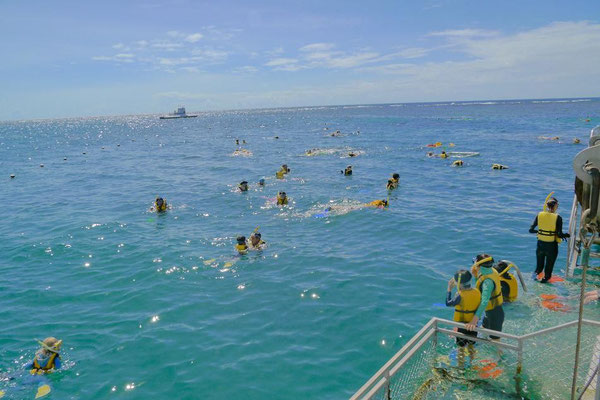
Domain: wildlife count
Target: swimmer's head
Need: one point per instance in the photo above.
(255, 238)
(384, 203)
(261, 182)
(552, 204)
(483, 260)
(282, 195)
(285, 167)
(241, 239)
(501, 266)
(243, 186)
(159, 202)
(51, 344)
(396, 176)
(464, 277)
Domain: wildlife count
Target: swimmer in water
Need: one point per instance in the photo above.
(243, 186)
(443, 154)
(378, 204)
(394, 182)
(241, 246)
(347, 171)
(261, 182)
(255, 242)
(282, 199)
(352, 154)
(160, 205)
(499, 166)
(47, 358)
(282, 172)
(576, 141)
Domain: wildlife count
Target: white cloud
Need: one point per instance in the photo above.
(281, 61)
(174, 34)
(465, 33)
(246, 69)
(314, 47)
(119, 46)
(194, 37)
(166, 45)
(413, 52)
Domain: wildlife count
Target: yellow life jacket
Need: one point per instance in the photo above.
(376, 203)
(38, 369)
(282, 201)
(241, 248)
(513, 287)
(443, 155)
(469, 302)
(547, 227)
(279, 174)
(496, 297)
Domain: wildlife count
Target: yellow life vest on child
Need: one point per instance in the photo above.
(279, 174)
(241, 248)
(513, 287)
(496, 299)
(38, 369)
(282, 201)
(547, 227)
(469, 302)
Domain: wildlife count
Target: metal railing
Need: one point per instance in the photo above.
(523, 358)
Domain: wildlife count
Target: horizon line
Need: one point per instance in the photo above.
(590, 98)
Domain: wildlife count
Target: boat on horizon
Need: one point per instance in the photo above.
(179, 113)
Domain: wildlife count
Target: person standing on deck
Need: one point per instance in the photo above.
(549, 235)
(488, 284)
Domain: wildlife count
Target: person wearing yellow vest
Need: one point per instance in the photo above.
(241, 245)
(508, 282)
(465, 303)
(549, 235)
(47, 358)
(488, 283)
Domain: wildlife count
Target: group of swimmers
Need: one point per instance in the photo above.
(495, 285)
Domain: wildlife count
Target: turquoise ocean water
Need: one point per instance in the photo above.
(160, 306)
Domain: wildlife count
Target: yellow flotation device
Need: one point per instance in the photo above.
(547, 227)
(162, 207)
(281, 201)
(38, 369)
(458, 163)
(547, 224)
(378, 203)
(444, 155)
(469, 302)
(496, 299)
(241, 248)
(279, 174)
(511, 281)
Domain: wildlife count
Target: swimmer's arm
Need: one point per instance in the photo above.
(450, 302)
(535, 222)
(559, 231)
(486, 293)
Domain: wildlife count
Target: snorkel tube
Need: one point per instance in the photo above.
(545, 208)
(512, 265)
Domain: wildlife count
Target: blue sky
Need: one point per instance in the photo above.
(83, 58)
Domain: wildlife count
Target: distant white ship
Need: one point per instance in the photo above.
(179, 113)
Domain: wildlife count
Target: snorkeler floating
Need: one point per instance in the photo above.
(393, 182)
(46, 359)
(499, 166)
(160, 205)
(255, 242)
(243, 186)
(241, 246)
(282, 172)
(282, 199)
(347, 171)
(458, 163)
